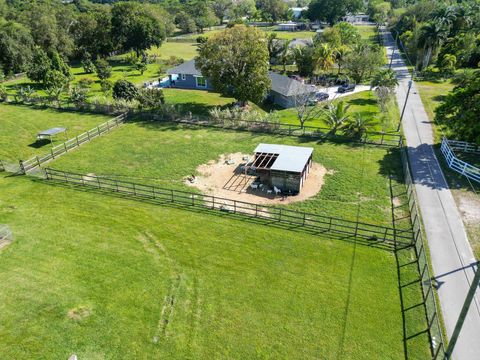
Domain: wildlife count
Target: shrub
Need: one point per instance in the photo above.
(78, 95)
(201, 39)
(106, 86)
(103, 68)
(3, 93)
(125, 90)
(150, 98)
(85, 83)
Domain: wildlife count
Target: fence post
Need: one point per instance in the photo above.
(38, 161)
(134, 189)
(193, 200)
(98, 182)
(153, 192)
(78, 144)
(213, 202)
(330, 225)
(171, 191)
(116, 183)
(234, 206)
(88, 135)
(256, 210)
(98, 129)
(303, 219)
(51, 151)
(280, 215)
(65, 146)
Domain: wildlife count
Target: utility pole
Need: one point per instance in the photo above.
(463, 314)
(410, 83)
(393, 52)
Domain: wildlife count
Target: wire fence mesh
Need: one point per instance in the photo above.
(437, 343)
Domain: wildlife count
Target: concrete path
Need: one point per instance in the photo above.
(452, 257)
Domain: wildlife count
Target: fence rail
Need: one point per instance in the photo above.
(373, 138)
(437, 343)
(449, 146)
(372, 232)
(56, 151)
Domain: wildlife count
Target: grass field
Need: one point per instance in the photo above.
(432, 93)
(186, 51)
(107, 277)
(168, 153)
(95, 276)
(20, 125)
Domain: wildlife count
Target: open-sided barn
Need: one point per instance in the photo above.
(282, 166)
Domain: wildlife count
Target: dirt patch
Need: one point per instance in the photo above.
(224, 178)
(470, 208)
(79, 313)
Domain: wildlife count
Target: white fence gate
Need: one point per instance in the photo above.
(448, 149)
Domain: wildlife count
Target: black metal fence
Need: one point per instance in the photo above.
(437, 343)
(371, 232)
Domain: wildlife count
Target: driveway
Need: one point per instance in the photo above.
(334, 94)
(452, 258)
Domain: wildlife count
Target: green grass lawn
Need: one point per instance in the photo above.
(105, 277)
(196, 101)
(164, 154)
(432, 93)
(363, 103)
(186, 51)
(20, 124)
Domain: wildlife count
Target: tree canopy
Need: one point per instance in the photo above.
(460, 110)
(236, 62)
(332, 10)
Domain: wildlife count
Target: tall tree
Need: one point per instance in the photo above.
(134, 28)
(324, 57)
(432, 36)
(236, 62)
(460, 110)
(332, 10)
(16, 46)
(272, 10)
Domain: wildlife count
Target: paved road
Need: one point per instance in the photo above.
(452, 257)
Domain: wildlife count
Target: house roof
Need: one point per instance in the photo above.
(185, 68)
(280, 83)
(286, 86)
(290, 158)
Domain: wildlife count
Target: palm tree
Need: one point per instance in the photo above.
(432, 36)
(357, 126)
(336, 115)
(384, 78)
(324, 56)
(342, 52)
(285, 56)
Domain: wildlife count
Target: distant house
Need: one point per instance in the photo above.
(297, 11)
(291, 26)
(187, 76)
(356, 19)
(283, 93)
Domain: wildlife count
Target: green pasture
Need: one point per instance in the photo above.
(164, 154)
(20, 124)
(185, 51)
(105, 277)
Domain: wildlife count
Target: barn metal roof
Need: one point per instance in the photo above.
(290, 158)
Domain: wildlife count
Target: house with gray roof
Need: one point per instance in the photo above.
(283, 93)
(187, 76)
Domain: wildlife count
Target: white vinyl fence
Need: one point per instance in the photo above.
(448, 149)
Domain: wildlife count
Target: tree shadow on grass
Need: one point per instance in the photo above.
(362, 102)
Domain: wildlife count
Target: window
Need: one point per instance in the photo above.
(182, 76)
(201, 82)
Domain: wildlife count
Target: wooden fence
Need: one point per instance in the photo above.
(56, 151)
(448, 149)
(318, 132)
(437, 343)
(374, 233)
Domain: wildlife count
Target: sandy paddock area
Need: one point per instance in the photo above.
(221, 179)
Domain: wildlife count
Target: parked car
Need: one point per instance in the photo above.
(346, 88)
(322, 96)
